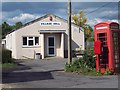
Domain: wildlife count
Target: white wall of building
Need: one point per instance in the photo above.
(11, 43)
(14, 39)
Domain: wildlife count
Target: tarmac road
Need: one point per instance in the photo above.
(49, 73)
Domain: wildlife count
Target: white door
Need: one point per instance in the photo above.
(51, 46)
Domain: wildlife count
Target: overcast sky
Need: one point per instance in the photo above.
(26, 11)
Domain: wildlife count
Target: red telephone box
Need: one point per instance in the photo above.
(107, 46)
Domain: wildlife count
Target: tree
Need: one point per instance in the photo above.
(81, 20)
(5, 29)
(88, 31)
(18, 24)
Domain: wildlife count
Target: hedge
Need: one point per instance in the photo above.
(6, 56)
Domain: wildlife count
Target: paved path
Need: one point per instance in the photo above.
(49, 74)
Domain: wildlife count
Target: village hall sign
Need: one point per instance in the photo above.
(50, 23)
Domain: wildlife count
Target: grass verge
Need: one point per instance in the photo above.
(8, 65)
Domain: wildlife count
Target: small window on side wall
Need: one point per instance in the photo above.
(36, 40)
(24, 40)
(30, 43)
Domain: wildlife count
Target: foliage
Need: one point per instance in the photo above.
(78, 66)
(82, 65)
(8, 65)
(94, 73)
(108, 72)
(88, 57)
(90, 39)
(6, 56)
(17, 25)
(7, 28)
(86, 65)
(81, 20)
(68, 68)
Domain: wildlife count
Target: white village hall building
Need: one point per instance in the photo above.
(46, 36)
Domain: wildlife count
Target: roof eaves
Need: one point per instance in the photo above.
(26, 24)
(33, 21)
(64, 20)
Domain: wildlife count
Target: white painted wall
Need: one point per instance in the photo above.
(11, 43)
(14, 39)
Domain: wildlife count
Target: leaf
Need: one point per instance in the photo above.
(75, 18)
(81, 14)
(81, 20)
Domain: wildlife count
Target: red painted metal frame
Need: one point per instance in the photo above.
(110, 46)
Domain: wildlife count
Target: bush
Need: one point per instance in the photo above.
(68, 68)
(88, 57)
(83, 65)
(78, 66)
(108, 72)
(6, 56)
(86, 65)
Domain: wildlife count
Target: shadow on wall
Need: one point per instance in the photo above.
(74, 45)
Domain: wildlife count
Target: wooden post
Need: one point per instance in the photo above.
(69, 33)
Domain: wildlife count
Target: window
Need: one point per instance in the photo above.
(36, 41)
(103, 38)
(30, 41)
(24, 40)
(116, 46)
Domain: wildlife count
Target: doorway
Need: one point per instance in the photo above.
(51, 46)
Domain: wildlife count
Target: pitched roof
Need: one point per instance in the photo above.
(45, 16)
(106, 22)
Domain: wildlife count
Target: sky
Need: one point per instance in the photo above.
(60, 0)
(95, 12)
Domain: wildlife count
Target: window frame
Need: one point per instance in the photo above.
(33, 38)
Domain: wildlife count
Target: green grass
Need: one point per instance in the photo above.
(93, 73)
(8, 65)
